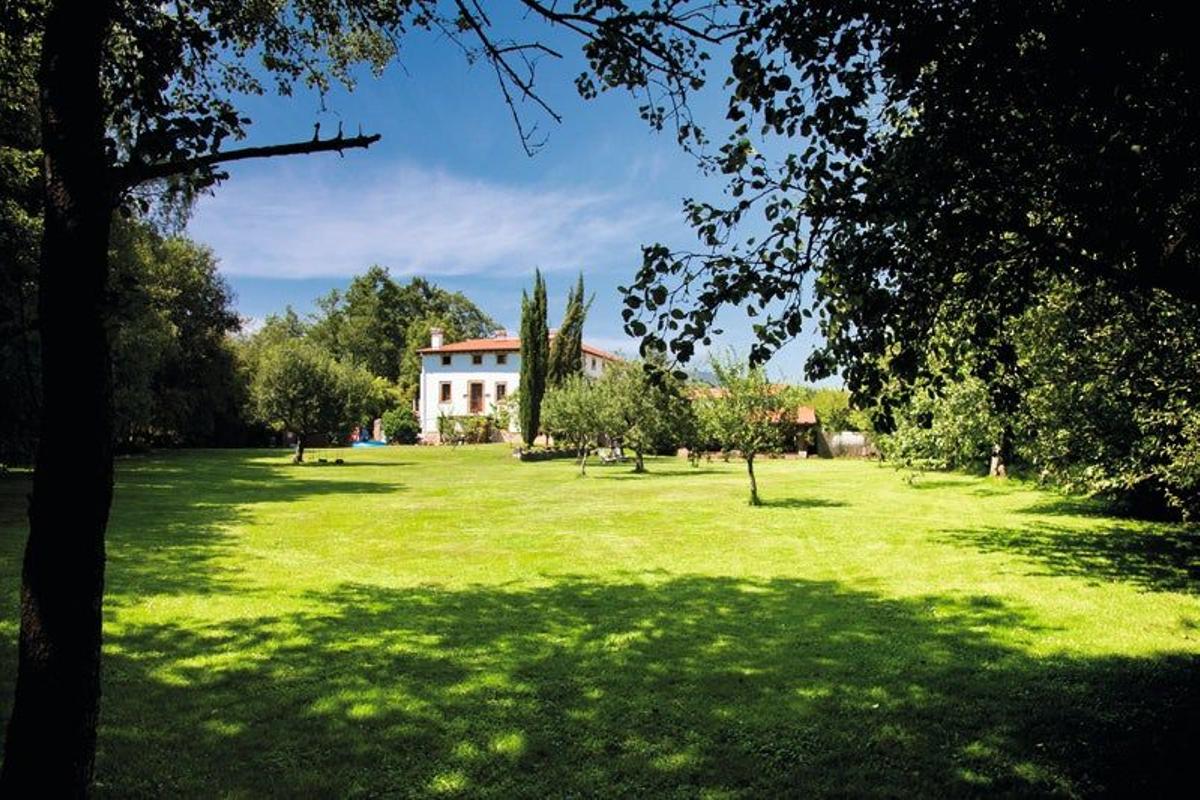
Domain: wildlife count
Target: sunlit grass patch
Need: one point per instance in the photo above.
(450, 622)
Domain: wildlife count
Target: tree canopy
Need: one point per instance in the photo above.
(941, 160)
(380, 323)
(574, 412)
(744, 413)
(303, 390)
(535, 354)
(566, 347)
(645, 408)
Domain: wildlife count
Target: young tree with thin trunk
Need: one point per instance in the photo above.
(744, 413)
(575, 413)
(535, 346)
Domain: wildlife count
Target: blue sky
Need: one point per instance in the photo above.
(449, 194)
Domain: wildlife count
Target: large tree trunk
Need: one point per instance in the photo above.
(51, 742)
(299, 457)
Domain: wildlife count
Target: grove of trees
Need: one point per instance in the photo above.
(380, 324)
(957, 193)
(303, 390)
(548, 361)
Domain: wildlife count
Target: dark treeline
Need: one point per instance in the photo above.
(184, 370)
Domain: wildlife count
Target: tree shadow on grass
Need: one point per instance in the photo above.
(624, 472)
(331, 463)
(172, 518)
(802, 502)
(683, 686)
(1163, 558)
(936, 484)
(172, 515)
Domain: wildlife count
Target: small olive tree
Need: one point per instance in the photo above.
(643, 409)
(744, 413)
(574, 411)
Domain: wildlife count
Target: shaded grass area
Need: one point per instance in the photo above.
(428, 622)
(1156, 560)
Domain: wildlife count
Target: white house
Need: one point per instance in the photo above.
(471, 377)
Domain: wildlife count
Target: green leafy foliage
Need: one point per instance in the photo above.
(507, 410)
(744, 414)
(644, 410)
(927, 134)
(381, 324)
(401, 425)
(953, 429)
(566, 348)
(574, 412)
(302, 389)
(535, 347)
(1114, 395)
(834, 409)
(943, 167)
(175, 374)
(466, 428)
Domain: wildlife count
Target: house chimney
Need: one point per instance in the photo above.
(435, 337)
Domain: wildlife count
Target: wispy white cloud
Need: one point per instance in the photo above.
(316, 221)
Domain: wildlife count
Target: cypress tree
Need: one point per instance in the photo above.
(535, 351)
(566, 351)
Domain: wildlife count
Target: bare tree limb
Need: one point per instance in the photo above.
(130, 175)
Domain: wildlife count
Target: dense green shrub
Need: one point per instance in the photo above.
(401, 425)
(467, 429)
(951, 430)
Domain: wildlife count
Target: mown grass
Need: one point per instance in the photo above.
(439, 622)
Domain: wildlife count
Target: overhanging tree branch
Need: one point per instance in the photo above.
(130, 175)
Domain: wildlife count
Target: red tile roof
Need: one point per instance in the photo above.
(476, 346)
(805, 415)
(504, 344)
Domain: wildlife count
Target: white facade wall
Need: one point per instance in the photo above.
(460, 373)
(592, 365)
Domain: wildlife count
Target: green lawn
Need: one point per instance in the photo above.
(438, 622)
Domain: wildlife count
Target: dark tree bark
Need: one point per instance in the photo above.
(50, 745)
(754, 501)
(639, 463)
(299, 457)
(51, 741)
